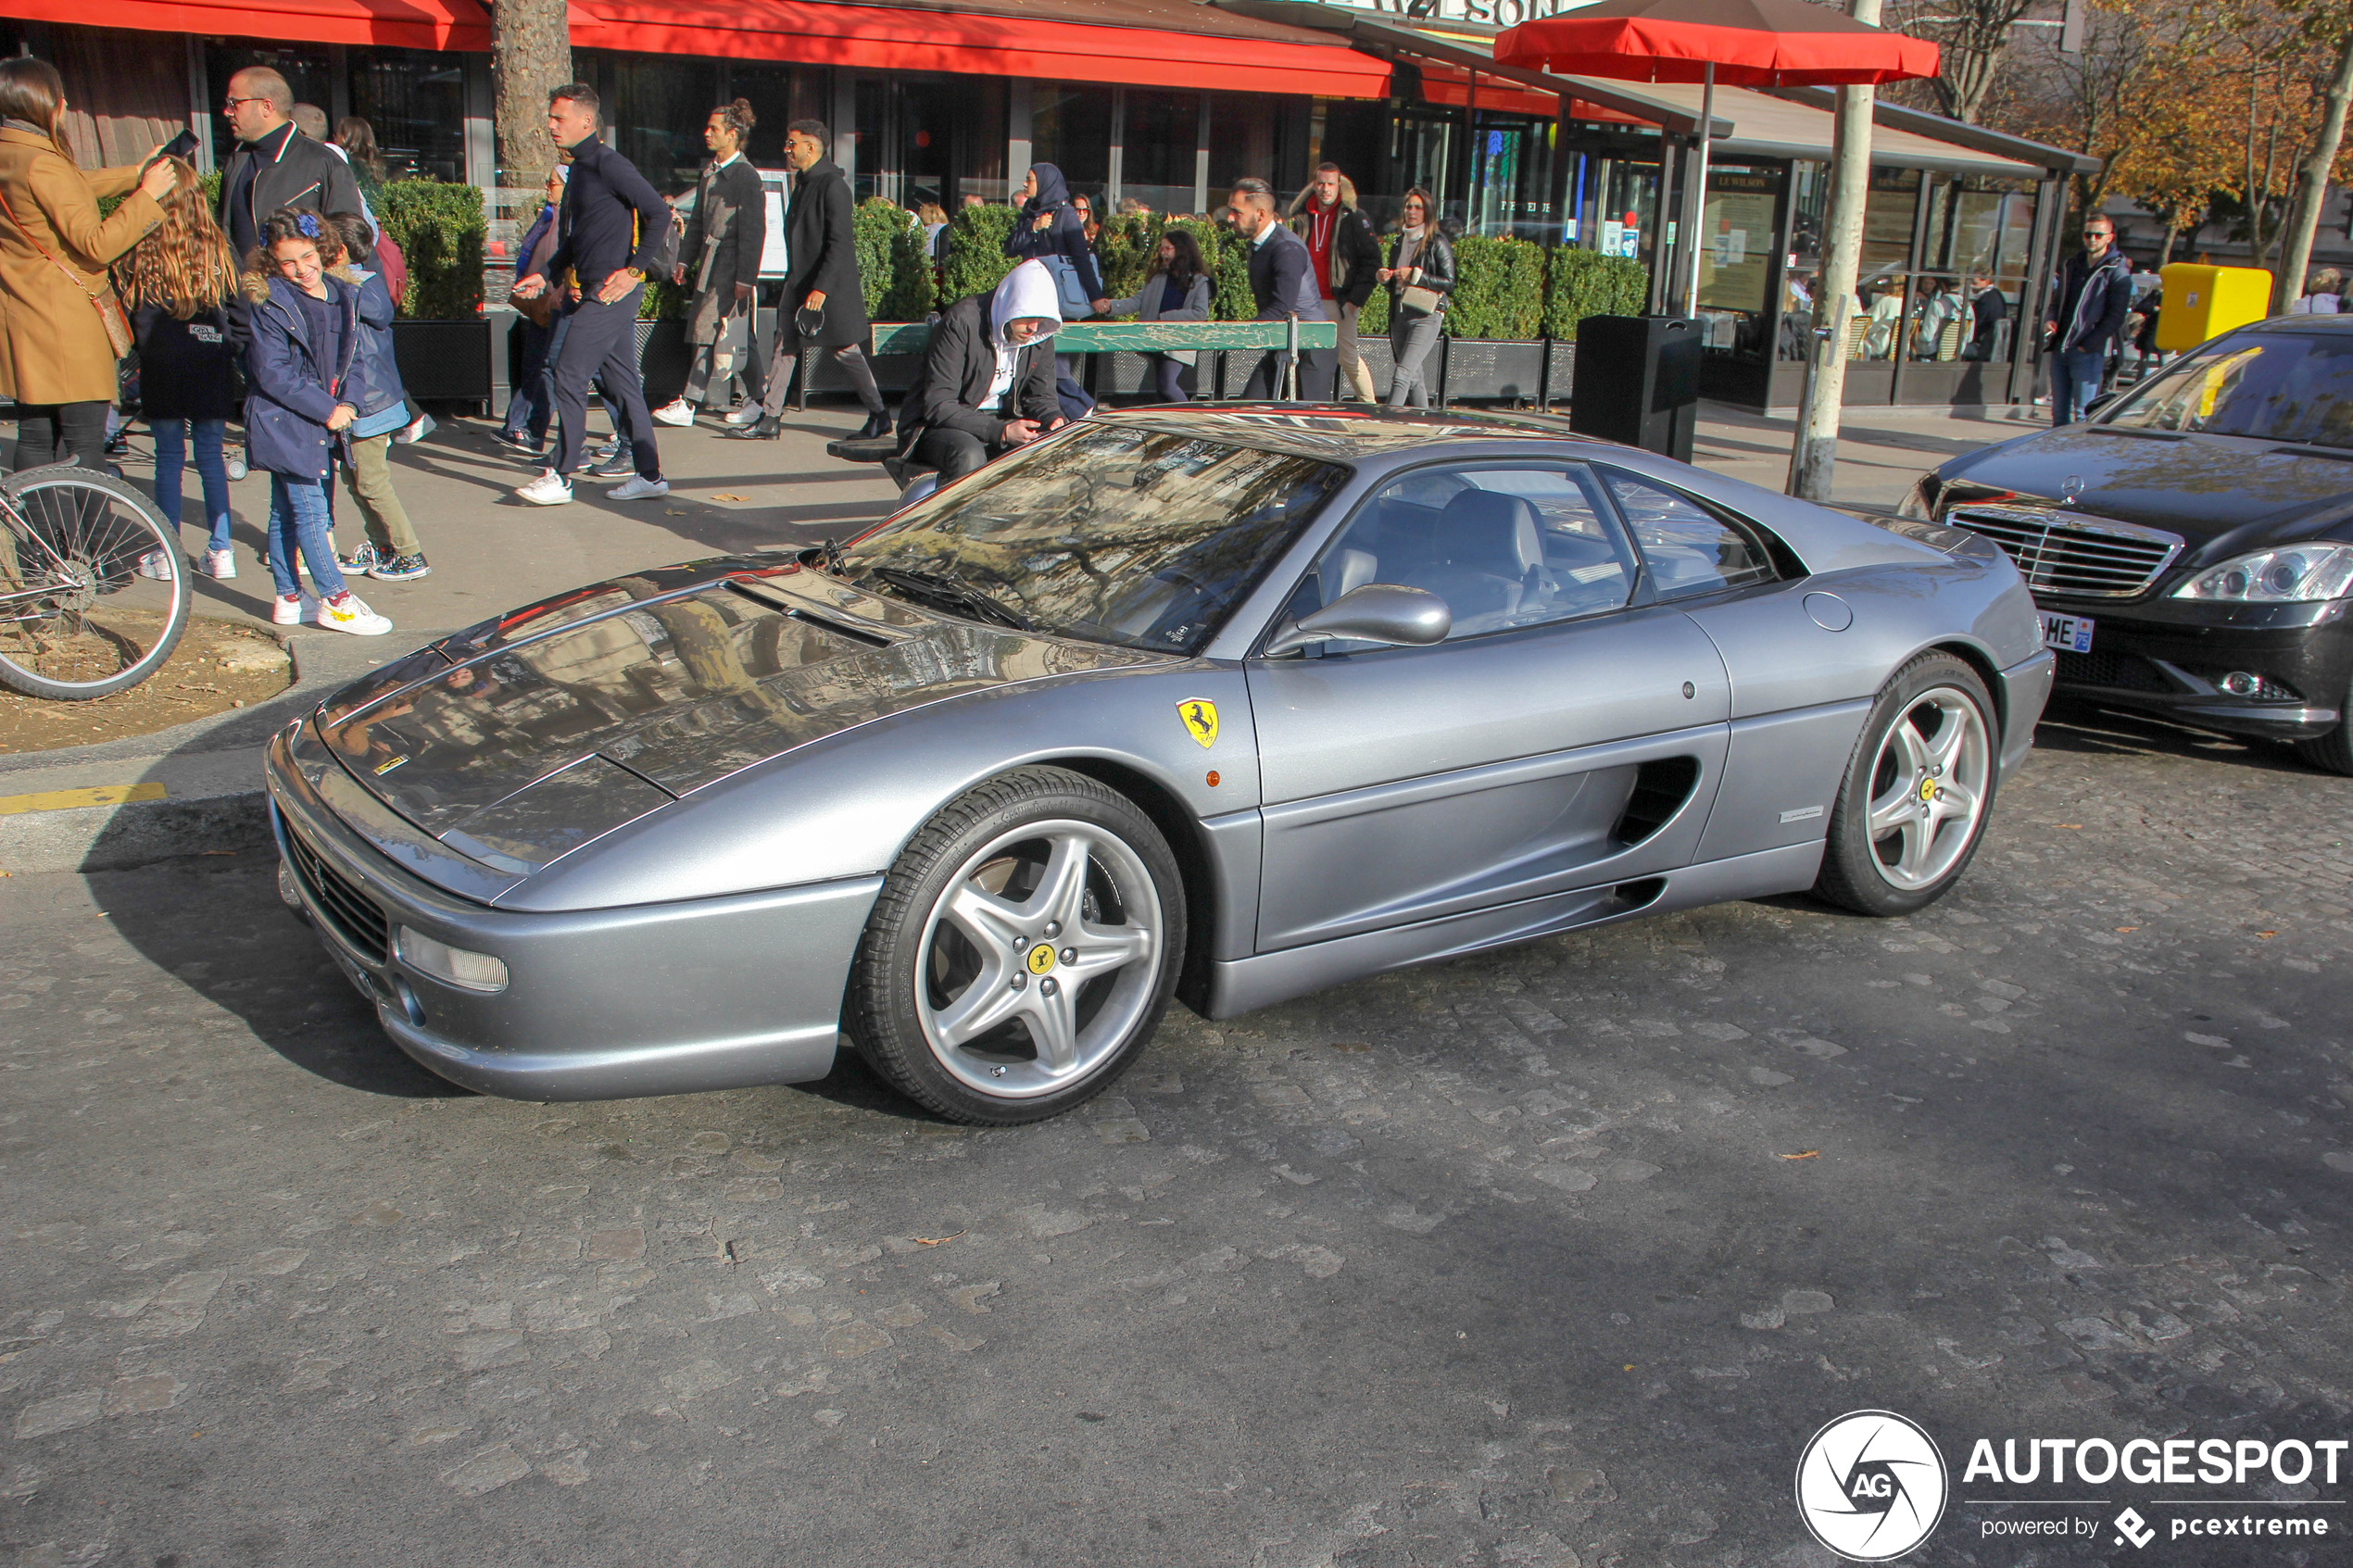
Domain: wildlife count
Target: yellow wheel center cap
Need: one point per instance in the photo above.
(1927, 790)
(1041, 958)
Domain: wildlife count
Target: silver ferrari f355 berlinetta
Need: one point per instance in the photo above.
(1221, 704)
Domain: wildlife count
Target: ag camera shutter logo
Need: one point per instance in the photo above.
(1871, 1485)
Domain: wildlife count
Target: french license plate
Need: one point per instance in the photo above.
(2071, 632)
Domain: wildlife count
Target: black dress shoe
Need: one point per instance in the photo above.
(877, 424)
(765, 427)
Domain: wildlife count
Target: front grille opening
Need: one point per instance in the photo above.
(2069, 559)
(2119, 671)
(355, 915)
(1661, 786)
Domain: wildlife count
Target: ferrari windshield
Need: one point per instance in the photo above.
(1116, 534)
(2275, 386)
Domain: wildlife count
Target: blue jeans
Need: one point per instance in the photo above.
(535, 395)
(299, 520)
(211, 467)
(2075, 381)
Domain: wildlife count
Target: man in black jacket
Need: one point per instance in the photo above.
(2089, 301)
(614, 229)
(1347, 257)
(988, 385)
(824, 301)
(275, 165)
(1282, 279)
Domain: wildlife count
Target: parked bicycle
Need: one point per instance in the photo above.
(94, 590)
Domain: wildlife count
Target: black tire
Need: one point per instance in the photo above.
(2333, 753)
(77, 541)
(920, 974)
(1857, 872)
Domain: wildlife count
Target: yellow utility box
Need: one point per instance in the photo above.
(2205, 302)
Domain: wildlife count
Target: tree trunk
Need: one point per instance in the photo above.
(1814, 453)
(2312, 182)
(530, 55)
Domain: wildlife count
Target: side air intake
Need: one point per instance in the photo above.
(1661, 786)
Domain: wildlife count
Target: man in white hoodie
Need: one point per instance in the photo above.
(988, 378)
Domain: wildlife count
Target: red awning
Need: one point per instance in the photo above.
(1749, 42)
(880, 38)
(406, 24)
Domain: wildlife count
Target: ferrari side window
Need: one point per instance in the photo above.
(1688, 548)
(1503, 547)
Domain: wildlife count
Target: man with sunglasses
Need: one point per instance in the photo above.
(2089, 301)
(275, 164)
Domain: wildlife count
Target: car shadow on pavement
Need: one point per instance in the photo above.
(214, 922)
(2073, 725)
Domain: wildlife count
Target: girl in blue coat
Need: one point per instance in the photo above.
(391, 553)
(304, 387)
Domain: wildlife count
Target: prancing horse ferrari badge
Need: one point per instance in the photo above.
(1200, 715)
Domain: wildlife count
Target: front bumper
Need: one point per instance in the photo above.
(601, 1004)
(2169, 657)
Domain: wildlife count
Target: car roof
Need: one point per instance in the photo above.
(2314, 324)
(1342, 432)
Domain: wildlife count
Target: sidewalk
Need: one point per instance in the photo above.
(197, 787)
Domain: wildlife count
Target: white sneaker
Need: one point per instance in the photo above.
(348, 613)
(294, 610)
(550, 489)
(637, 488)
(237, 463)
(221, 563)
(677, 411)
(745, 415)
(156, 564)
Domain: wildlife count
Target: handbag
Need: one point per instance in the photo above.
(1068, 292)
(101, 299)
(1414, 302)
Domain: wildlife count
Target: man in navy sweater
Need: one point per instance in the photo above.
(612, 225)
(1282, 279)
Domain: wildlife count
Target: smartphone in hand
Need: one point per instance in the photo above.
(182, 146)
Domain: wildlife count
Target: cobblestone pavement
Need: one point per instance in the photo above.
(1554, 1256)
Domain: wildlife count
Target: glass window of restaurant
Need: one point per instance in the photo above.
(1740, 270)
(655, 106)
(1157, 150)
(1069, 128)
(415, 102)
(1970, 281)
(307, 68)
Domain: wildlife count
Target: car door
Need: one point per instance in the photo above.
(1568, 734)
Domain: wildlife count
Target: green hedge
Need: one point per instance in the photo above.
(1579, 283)
(874, 226)
(1125, 251)
(1500, 290)
(664, 301)
(1373, 321)
(912, 294)
(976, 258)
(438, 227)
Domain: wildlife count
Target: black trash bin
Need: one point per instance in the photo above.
(1637, 380)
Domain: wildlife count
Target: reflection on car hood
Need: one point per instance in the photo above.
(668, 689)
(2231, 491)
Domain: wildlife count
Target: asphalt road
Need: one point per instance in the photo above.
(1552, 1256)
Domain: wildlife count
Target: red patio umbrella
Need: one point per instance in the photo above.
(1744, 42)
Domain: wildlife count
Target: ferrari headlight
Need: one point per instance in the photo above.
(2285, 576)
(1920, 501)
(455, 966)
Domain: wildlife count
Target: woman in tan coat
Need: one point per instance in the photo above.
(56, 359)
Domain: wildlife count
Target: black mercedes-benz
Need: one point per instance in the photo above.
(2190, 546)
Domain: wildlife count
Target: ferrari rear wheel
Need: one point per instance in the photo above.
(1919, 787)
(1024, 949)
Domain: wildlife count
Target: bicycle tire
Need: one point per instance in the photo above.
(76, 539)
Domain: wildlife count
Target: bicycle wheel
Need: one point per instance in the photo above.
(94, 590)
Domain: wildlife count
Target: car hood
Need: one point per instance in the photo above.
(2222, 493)
(516, 749)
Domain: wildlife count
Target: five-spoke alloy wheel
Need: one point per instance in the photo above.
(1024, 948)
(1913, 807)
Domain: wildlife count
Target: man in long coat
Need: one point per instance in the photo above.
(824, 303)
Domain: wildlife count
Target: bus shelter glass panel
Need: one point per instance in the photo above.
(1978, 229)
(1628, 220)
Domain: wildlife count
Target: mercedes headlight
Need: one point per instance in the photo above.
(2283, 576)
(1920, 501)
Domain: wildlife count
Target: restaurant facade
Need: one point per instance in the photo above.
(1164, 102)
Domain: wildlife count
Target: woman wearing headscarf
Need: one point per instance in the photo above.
(1050, 230)
(62, 328)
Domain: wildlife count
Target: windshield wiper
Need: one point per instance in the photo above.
(949, 591)
(826, 558)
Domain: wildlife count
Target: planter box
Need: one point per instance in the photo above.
(1560, 371)
(444, 361)
(1380, 362)
(665, 359)
(1482, 370)
(1132, 375)
(894, 374)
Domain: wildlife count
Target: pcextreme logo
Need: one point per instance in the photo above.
(1871, 1485)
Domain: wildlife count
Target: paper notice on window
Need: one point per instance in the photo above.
(773, 259)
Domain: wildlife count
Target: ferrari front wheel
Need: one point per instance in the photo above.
(1024, 949)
